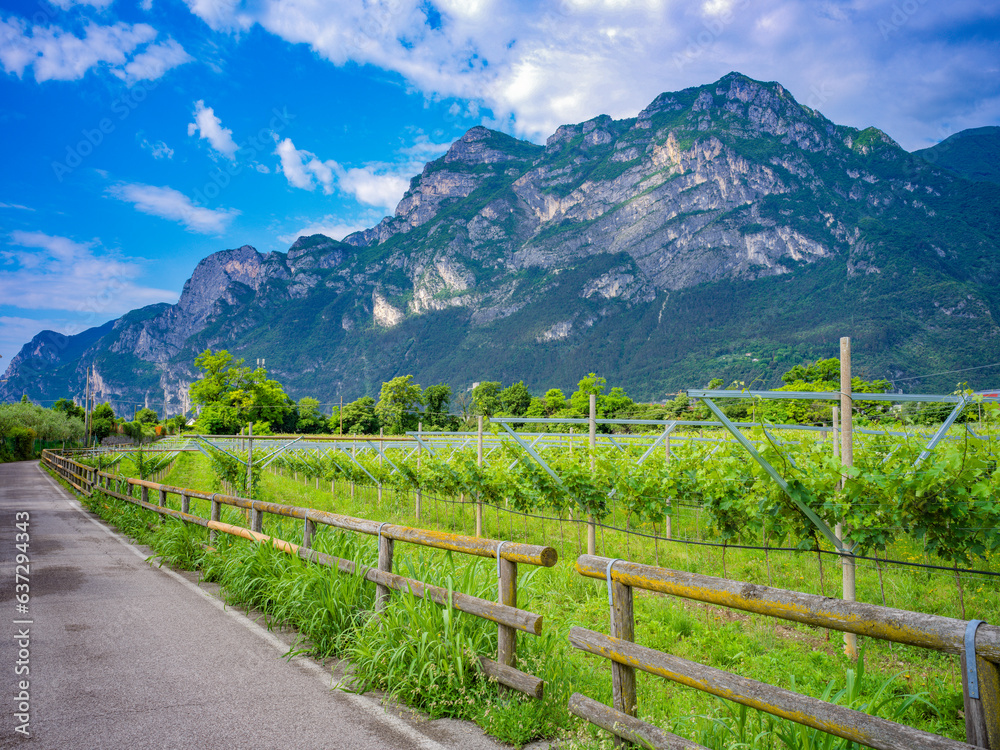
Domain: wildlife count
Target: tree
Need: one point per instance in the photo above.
(486, 398)
(398, 402)
(147, 416)
(515, 399)
(359, 417)
(238, 394)
(437, 398)
(617, 404)
(821, 376)
(590, 385)
(310, 419)
(102, 421)
(216, 383)
(554, 400)
(69, 408)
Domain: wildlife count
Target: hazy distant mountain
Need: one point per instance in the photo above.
(725, 231)
(973, 154)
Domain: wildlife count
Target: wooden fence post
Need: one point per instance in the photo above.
(622, 626)
(982, 700)
(507, 594)
(215, 516)
(385, 564)
(185, 503)
(308, 531)
(144, 494)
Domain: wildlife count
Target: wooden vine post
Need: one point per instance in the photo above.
(381, 450)
(420, 447)
(479, 463)
(591, 524)
(667, 530)
(847, 461)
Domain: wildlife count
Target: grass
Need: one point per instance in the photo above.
(423, 654)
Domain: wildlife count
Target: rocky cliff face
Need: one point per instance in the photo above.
(721, 218)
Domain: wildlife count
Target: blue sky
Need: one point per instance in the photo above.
(139, 136)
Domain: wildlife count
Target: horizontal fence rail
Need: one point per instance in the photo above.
(504, 612)
(977, 643)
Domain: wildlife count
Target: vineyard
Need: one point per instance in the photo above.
(684, 496)
(686, 489)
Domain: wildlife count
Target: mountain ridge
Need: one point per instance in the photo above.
(722, 220)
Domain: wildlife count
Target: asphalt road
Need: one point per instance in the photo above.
(118, 653)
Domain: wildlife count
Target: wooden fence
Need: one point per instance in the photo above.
(504, 612)
(977, 643)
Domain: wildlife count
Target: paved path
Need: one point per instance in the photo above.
(123, 654)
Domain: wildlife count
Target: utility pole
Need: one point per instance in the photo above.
(341, 413)
(86, 409)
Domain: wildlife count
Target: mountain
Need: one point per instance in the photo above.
(974, 154)
(726, 230)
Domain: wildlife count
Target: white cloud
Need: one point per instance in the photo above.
(171, 204)
(88, 284)
(538, 65)
(379, 185)
(153, 62)
(209, 127)
(57, 54)
(159, 149)
(301, 167)
(16, 205)
(48, 272)
(373, 188)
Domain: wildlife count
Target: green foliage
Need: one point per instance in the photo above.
(590, 385)
(147, 417)
(398, 404)
(486, 398)
(515, 399)
(310, 419)
(235, 395)
(359, 417)
(23, 423)
(437, 399)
